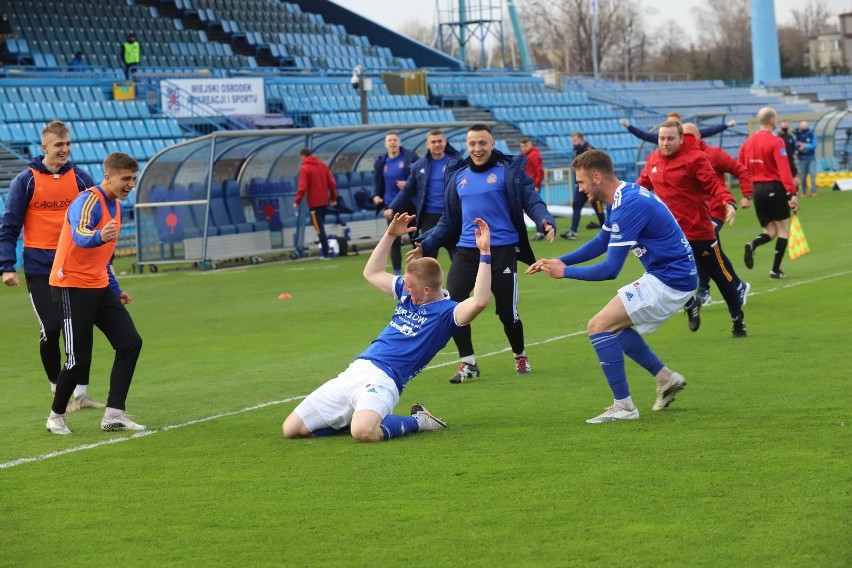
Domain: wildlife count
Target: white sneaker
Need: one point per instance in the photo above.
(743, 291)
(80, 402)
(615, 412)
(120, 422)
(425, 420)
(666, 391)
(57, 425)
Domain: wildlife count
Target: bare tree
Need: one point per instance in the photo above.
(418, 31)
(813, 18)
(726, 35)
(793, 44)
(560, 33)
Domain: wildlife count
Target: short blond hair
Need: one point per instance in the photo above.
(56, 127)
(427, 271)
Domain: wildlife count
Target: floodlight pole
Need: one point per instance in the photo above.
(363, 85)
(594, 17)
(365, 117)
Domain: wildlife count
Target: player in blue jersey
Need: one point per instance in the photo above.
(362, 397)
(493, 186)
(637, 222)
(390, 171)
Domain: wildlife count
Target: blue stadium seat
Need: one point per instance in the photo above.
(168, 229)
(186, 217)
(234, 205)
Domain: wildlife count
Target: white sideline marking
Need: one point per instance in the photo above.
(144, 433)
(789, 285)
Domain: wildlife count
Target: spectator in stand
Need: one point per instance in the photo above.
(424, 189)
(682, 176)
(722, 163)
(578, 139)
(5, 26)
(78, 62)
(765, 155)
(130, 55)
(651, 136)
(493, 185)
(37, 202)
(806, 144)
(317, 183)
(84, 286)
(6, 32)
(361, 399)
(640, 223)
(390, 172)
(534, 168)
(790, 143)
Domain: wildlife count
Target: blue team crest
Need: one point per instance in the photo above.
(421, 312)
(463, 182)
(492, 178)
(401, 165)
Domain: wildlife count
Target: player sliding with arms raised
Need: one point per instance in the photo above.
(638, 222)
(362, 397)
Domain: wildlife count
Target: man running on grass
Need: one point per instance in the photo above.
(637, 221)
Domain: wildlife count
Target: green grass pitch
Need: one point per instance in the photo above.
(749, 467)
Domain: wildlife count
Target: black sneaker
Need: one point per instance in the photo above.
(465, 374)
(570, 235)
(593, 225)
(748, 257)
(777, 274)
(693, 314)
(739, 326)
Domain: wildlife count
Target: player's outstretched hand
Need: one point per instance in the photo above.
(549, 231)
(552, 266)
(730, 214)
(483, 236)
(415, 253)
(399, 224)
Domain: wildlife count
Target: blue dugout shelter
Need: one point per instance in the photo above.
(230, 194)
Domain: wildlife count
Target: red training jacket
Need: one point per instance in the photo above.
(316, 180)
(534, 167)
(765, 155)
(722, 163)
(686, 183)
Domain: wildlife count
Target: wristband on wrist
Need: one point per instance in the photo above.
(486, 258)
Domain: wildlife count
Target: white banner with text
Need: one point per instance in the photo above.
(181, 98)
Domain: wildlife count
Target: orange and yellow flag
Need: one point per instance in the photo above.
(797, 244)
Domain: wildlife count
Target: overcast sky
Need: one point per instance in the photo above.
(393, 13)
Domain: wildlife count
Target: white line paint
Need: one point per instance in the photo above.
(144, 433)
(22, 461)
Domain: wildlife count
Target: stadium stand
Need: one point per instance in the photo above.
(304, 52)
